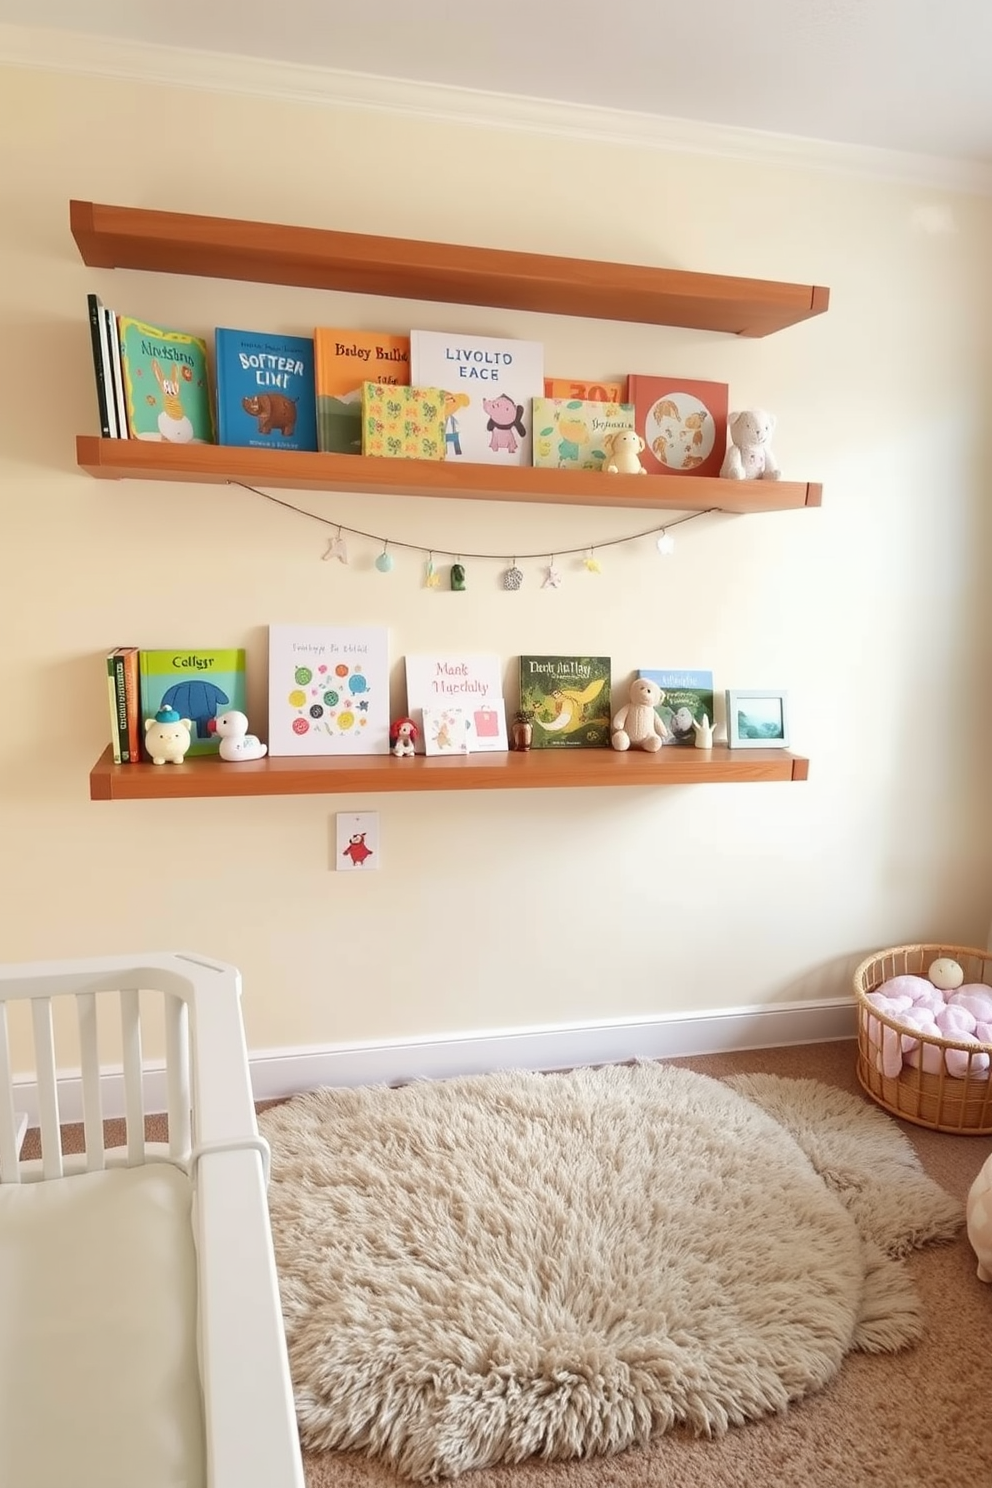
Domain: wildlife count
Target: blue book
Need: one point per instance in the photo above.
(686, 696)
(265, 390)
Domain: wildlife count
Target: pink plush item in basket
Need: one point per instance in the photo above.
(964, 1016)
(979, 1220)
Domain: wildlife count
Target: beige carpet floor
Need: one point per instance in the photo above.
(920, 1419)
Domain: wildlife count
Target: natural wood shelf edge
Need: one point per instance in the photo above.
(221, 464)
(111, 237)
(536, 769)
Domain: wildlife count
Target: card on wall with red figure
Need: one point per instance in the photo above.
(683, 424)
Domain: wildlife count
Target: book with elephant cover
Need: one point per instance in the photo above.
(683, 424)
(569, 697)
(198, 684)
(166, 383)
(328, 689)
(687, 695)
(490, 383)
(472, 682)
(571, 433)
(265, 390)
(343, 361)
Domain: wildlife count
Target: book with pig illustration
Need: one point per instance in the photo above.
(343, 361)
(166, 383)
(683, 424)
(472, 683)
(490, 383)
(328, 689)
(197, 684)
(265, 395)
(569, 697)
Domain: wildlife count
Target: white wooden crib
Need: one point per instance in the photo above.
(141, 1335)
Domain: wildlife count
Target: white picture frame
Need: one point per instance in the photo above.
(757, 718)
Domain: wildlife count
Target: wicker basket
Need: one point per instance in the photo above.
(940, 1101)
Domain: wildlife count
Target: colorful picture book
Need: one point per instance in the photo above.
(166, 383)
(328, 689)
(569, 697)
(595, 392)
(473, 683)
(490, 384)
(569, 433)
(343, 361)
(197, 684)
(265, 395)
(687, 696)
(683, 424)
(402, 423)
(447, 731)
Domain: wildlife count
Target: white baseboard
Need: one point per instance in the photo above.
(280, 1072)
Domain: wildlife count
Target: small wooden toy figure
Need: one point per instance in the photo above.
(403, 735)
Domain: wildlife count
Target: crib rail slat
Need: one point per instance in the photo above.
(134, 1103)
(89, 1059)
(177, 1073)
(10, 1170)
(48, 1095)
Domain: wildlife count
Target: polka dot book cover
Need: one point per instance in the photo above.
(328, 689)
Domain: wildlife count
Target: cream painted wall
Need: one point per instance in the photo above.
(509, 909)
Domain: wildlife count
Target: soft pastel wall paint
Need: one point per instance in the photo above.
(508, 909)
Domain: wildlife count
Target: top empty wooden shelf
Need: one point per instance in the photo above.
(318, 258)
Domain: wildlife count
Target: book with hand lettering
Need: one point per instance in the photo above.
(328, 689)
(472, 683)
(490, 384)
(343, 361)
(569, 697)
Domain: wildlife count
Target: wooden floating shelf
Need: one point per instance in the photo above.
(536, 769)
(220, 464)
(111, 237)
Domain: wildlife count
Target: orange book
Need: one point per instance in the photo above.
(593, 392)
(343, 361)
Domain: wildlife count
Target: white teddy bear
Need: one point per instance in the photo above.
(749, 455)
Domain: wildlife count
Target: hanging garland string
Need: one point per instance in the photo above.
(338, 549)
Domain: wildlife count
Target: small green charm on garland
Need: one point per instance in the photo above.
(458, 576)
(513, 577)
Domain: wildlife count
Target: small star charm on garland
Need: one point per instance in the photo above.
(592, 563)
(513, 577)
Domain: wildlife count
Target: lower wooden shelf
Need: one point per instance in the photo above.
(538, 769)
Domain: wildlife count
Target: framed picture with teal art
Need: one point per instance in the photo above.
(757, 719)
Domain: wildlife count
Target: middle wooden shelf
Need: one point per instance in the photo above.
(219, 464)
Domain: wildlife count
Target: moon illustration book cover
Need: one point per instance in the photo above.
(569, 697)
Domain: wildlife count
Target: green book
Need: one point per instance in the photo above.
(166, 384)
(198, 684)
(569, 697)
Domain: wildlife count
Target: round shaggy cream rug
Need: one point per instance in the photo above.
(502, 1266)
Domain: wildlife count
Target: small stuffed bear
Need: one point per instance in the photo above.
(749, 455)
(623, 449)
(637, 725)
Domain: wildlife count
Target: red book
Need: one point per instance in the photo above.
(683, 424)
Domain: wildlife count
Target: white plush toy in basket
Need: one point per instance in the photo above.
(925, 1035)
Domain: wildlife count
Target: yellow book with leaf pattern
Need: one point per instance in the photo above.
(405, 423)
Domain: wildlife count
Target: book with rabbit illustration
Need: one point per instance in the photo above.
(687, 695)
(569, 697)
(489, 384)
(683, 424)
(570, 433)
(265, 390)
(197, 684)
(166, 382)
(343, 361)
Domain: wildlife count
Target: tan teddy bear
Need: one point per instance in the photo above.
(637, 725)
(623, 450)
